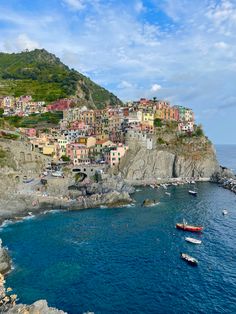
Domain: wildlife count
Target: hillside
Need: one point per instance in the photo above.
(42, 75)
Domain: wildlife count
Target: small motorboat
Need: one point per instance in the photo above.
(192, 240)
(194, 193)
(189, 259)
(224, 212)
(27, 180)
(168, 193)
(184, 226)
(152, 186)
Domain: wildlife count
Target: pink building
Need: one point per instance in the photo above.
(186, 126)
(30, 132)
(113, 156)
(78, 153)
(60, 105)
(77, 125)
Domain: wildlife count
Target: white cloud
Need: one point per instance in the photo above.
(20, 43)
(75, 4)
(155, 88)
(139, 7)
(221, 45)
(125, 84)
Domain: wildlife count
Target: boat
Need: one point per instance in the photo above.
(152, 186)
(167, 193)
(27, 180)
(184, 226)
(193, 182)
(194, 193)
(224, 212)
(189, 259)
(58, 174)
(192, 240)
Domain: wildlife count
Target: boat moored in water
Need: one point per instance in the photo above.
(189, 259)
(194, 193)
(184, 226)
(224, 212)
(193, 240)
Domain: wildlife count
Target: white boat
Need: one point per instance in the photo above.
(167, 193)
(191, 260)
(192, 192)
(164, 186)
(192, 182)
(193, 240)
(57, 174)
(152, 186)
(224, 212)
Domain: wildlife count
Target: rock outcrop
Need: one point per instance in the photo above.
(140, 164)
(5, 261)
(38, 307)
(225, 178)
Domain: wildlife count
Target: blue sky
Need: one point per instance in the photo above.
(180, 50)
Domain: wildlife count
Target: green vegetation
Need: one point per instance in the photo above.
(9, 136)
(97, 177)
(158, 123)
(1, 112)
(198, 131)
(65, 158)
(35, 120)
(160, 141)
(45, 77)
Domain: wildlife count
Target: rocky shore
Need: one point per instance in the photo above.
(225, 178)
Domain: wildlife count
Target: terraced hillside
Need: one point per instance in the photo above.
(42, 75)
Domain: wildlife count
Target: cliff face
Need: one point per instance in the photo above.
(191, 159)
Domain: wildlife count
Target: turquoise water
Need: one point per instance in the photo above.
(126, 260)
(226, 155)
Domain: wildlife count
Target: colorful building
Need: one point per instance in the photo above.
(113, 155)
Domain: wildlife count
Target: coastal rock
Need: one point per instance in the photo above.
(147, 202)
(5, 261)
(144, 166)
(225, 178)
(38, 307)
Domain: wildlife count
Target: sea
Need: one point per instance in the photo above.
(127, 259)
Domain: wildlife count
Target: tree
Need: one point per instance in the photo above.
(97, 177)
(65, 158)
(199, 131)
(157, 123)
(1, 112)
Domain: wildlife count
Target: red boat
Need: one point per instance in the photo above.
(186, 227)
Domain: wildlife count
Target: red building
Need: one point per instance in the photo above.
(60, 105)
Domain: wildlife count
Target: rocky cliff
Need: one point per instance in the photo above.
(193, 157)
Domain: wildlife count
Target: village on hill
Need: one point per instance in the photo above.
(101, 136)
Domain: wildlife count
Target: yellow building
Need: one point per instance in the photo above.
(88, 141)
(148, 118)
(49, 149)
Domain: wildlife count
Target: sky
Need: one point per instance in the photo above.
(183, 51)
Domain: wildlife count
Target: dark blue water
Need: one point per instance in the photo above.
(226, 155)
(126, 260)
